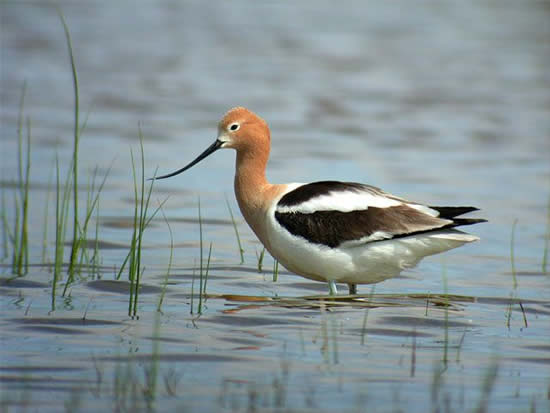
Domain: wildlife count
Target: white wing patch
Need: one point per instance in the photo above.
(424, 209)
(343, 201)
(377, 236)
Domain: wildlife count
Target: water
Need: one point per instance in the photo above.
(440, 103)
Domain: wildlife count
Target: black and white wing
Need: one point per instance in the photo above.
(333, 213)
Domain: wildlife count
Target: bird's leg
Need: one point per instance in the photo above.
(352, 289)
(332, 290)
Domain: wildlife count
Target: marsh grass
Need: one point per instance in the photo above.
(18, 237)
(66, 189)
(275, 270)
(260, 258)
(199, 310)
(5, 226)
(203, 271)
(91, 262)
(79, 255)
(45, 260)
(76, 242)
(514, 274)
(141, 220)
(191, 308)
(63, 195)
(169, 268)
(241, 250)
(61, 215)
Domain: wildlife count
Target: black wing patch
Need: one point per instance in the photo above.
(332, 228)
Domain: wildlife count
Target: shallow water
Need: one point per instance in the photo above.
(440, 103)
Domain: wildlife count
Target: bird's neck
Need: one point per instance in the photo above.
(252, 188)
(250, 180)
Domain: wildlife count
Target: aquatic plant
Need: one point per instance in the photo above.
(141, 220)
(76, 242)
(61, 215)
(167, 275)
(203, 273)
(241, 250)
(19, 237)
(260, 259)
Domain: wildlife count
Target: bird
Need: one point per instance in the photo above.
(330, 231)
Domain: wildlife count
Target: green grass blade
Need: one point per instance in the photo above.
(5, 227)
(23, 260)
(275, 271)
(261, 259)
(241, 250)
(165, 282)
(200, 260)
(46, 218)
(207, 270)
(16, 235)
(76, 226)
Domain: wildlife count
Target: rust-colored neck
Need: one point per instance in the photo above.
(250, 180)
(252, 189)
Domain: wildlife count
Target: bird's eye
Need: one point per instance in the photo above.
(234, 126)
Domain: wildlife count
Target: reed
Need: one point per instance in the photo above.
(6, 236)
(260, 259)
(18, 238)
(142, 197)
(275, 271)
(241, 250)
(203, 274)
(92, 205)
(207, 271)
(46, 218)
(76, 245)
(167, 275)
(95, 257)
(62, 200)
(141, 220)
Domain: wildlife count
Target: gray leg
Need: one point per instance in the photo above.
(352, 289)
(332, 290)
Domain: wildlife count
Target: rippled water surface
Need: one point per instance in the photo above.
(443, 103)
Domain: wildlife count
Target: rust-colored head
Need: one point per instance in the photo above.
(239, 129)
(242, 129)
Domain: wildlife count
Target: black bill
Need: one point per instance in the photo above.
(210, 150)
